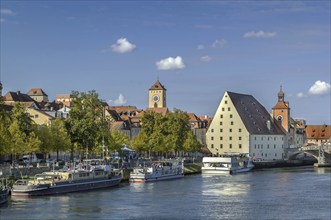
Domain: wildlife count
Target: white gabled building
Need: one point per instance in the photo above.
(241, 124)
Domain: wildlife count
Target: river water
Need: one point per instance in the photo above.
(282, 193)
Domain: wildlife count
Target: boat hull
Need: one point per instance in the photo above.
(217, 170)
(65, 187)
(141, 178)
(3, 196)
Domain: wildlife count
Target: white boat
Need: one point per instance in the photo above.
(229, 163)
(157, 171)
(91, 174)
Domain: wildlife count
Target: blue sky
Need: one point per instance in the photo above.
(197, 49)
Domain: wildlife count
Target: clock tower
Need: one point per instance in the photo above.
(281, 111)
(157, 96)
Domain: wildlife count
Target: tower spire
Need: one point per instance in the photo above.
(281, 95)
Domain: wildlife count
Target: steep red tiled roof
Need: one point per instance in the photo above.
(162, 111)
(36, 92)
(318, 131)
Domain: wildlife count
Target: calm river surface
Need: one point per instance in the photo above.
(283, 193)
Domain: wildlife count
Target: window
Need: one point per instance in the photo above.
(221, 123)
(226, 102)
(230, 138)
(36, 116)
(274, 146)
(239, 129)
(230, 130)
(212, 145)
(212, 138)
(221, 130)
(230, 114)
(221, 145)
(239, 146)
(253, 154)
(223, 109)
(229, 109)
(230, 146)
(239, 138)
(261, 138)
(254, 138)
(268, 146)
(212, 130)
(231, 122)
(275, 154)
(221, 116)
(221, 138)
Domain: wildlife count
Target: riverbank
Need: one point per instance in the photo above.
(282, 163)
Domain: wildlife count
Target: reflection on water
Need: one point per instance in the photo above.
(264, 194)
(220, 185)
(142, 187)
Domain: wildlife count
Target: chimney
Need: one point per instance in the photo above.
(269, 125)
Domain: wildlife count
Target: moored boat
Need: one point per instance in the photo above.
(92, 174)
(230, 163)
(3, 192)
(157, 171)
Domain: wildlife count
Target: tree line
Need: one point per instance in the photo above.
(87, 129)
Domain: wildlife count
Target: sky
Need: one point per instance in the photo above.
(197, 49)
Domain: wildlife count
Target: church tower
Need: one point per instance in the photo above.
(281, 111)
(157, 96)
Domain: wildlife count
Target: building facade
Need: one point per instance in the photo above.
(157, 96)
(242, 125)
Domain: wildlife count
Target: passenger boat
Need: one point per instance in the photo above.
(157, 171)
(229, 163)
(91, 174)
(3, 192)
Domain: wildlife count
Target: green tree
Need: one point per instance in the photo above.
(118, 140)
(191, 144)
(165, 134)
(22, 118)
(59, 136)
(5, 138)
(85, 123)
(44, 134)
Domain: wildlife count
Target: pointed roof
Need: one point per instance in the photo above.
(157, 86)
(36, 92)
(254, 116)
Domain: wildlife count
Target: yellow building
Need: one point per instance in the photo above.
(39, 117)
(157, 96)
(242, 125)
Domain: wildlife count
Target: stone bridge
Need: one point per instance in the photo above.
(322, 153)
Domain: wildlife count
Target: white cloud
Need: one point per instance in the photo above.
(206, 58)
(123, 46)
(6, 11)
(219, 43)
(260, 34)
(171, 63)
(320, 88)
(120, 100)
(201, 47)
(301, 95)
